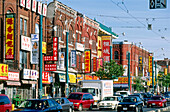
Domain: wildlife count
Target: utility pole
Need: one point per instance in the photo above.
(156, 76)
(129, 71)
(66, 85)
(153, 74)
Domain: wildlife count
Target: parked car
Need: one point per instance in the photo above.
(157, 101)
(67, 106)
(81, 100)
(167, 97)
(5, 103)
(130, 104)
(109, 102)
(39, 105)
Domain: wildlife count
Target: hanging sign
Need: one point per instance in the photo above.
(35, 49)
(25, 43)
(87, 61)
(106, 40)
(73, 58)
(55, 48)
(94, 64)
(61, 60)
(28, 4)
(22, 3)
(99, 63)
(45, 78)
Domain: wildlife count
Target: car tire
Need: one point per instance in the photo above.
(91, 107)
(70, 109)
(80, 107)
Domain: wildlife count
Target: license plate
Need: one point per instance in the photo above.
(153, 103)
(124, 108)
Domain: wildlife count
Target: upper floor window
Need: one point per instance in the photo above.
(59, 32)
(23, 59)
(76, 37)
(93, 45)
(116, 55)
(36, 28)
(70, 39)
(25, 27)
(80, 38)
(21, 24)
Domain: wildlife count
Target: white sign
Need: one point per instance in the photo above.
(34, 5)
(28, 4)
(61, 60)
(22, 3)
(30, 74)
(25, 43)
(44, 9)
(26, 73)
(39, 7)
(14, 76)
(73, 58)
(79, 47)
(34, 74)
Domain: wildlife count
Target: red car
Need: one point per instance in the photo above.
(81, 100)
(157, 101)
(5, 103)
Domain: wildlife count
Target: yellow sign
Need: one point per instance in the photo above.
(150, 65)
(99, 40)
(44, 47)
(87, 63)
(72, 78)
(165, 71)
(122, 80)
(3, 72)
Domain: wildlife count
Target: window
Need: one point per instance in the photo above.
(93, 45)
(25, 27)
(36, 28)
(23, 59)
(76, 37)
(70, 37)
(80, 38)
(21, 24)
(116, 55)
(86, 42)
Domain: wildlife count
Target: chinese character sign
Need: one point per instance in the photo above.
(150, 65)
(3, 72)
(94, 64)
(73, 58)
(44, 47)
(87, 61)
(9, 53)
(25, 43)
(55, 48)
(61, 60)
(106, 47)
(45, 78)
(140, 64)
(99, 63)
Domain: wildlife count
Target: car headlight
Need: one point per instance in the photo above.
(132, 105)
(100, 103)
(113, 104)
(119, 105)
(109, 104)
(76, 103)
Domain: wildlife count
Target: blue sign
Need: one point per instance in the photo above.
(73, 58)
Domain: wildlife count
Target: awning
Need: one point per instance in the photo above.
(29, 82)
(13, 83)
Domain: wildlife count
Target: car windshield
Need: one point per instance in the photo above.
(75, 96)
(89, 90)
(32, 104)
(129, 99)
(156, 98)
(123, 93)
(108, 98)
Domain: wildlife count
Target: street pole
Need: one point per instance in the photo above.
(156, 76)
(129, 71)
(40, 58)
(153, 74)
(110, 52)
(66, 85)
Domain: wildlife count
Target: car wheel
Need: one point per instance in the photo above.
(80, 107)
(91, 106)
(70, 109)
(137, 109)
(7, 111)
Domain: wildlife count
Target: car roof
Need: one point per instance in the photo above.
(3, 95)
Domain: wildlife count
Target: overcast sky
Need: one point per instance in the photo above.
(131, 17)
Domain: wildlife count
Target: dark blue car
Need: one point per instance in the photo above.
(134, 104)
(39, 105)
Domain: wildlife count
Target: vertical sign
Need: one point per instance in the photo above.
(140, 64)
(87, 61)
(28, 4)
(3, 72)
(9, 52)
(22, 3)
(94, 64)
(55, 48)
(44, 9)
(45, 78)
(99, 63)
(34, 5)
(35, 48)
(25, 43)
(39, 7)
(73, 58)
(106, 47)
(44, 47)
(61, 60)
(150, 65)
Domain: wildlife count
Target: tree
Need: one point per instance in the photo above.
(138, 84)
(110, 70)
(163, 80)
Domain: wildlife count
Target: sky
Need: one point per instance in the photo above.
(131, 17)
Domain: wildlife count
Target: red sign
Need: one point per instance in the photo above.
(45, 78)
(95, 78)
(50, 67)
(99, 63)
(106, 47)
(94, 64)
(50, 58)
(87, 61)
(55, 46)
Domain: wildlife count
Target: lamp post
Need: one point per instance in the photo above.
(153, 74)
(156, 76)
(129, 71)
(66, 85)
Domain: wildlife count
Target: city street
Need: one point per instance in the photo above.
(145, 109)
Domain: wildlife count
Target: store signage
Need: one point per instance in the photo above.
(28, 4)
(87, 62)
(88, 77)
(25, 43)
(94, 64)
(44, 9)
(30, 74)
(79, 77)
(50, 67)
(55, 48)
(3, 72)
(44, 47)
(73, 58)
(9, 41)
(99, 40)
(106, 41)
(34, 74)
(150, 65)
(72, 78)
(79, 47)
(45, 78)
(35, 48)
(140, 64)
(34, 5)
(62, 77)
(13, 76)
(99, 63)
(22, 3)
(96, 78)
(39, 8)
(61, 60)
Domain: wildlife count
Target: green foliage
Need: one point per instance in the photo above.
(110, 70)
(164, 80)
(138, 84)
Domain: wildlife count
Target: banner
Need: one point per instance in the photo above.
(35, 48)
(73, 58)
(99, 63)
(87, 61)
(26, 43)
(150, 65)
(45, 78)
(72, 78)
(61, 60)
(94, 64)
(44, 47)
(55, 48)
(106, 42)
(3, 72)
(10, 36)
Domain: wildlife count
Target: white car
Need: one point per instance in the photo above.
(109, 102)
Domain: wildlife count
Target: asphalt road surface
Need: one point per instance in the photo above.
(145, 109)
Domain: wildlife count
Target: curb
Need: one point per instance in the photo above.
(160, 110)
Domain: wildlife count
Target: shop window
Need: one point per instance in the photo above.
(25, 27)
(116, 55)
(21, 24)
(36, 28)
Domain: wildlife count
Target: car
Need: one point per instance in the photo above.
(167, 97)
(65, 103)
(81, 100)
(5, 103)
(109, 102)
(123, 93)
(39, 105)
(157, 101)
(130, 104)
(146, 97)
(138, 95)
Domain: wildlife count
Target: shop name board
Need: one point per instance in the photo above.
(25, 43)
(87, 62)
(106, 47)
(3, 72)
(30, 74)
(45, 78)
(50, 67)
(13, 76)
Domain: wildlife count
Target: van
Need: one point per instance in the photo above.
(81, 100)
(5, 103)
